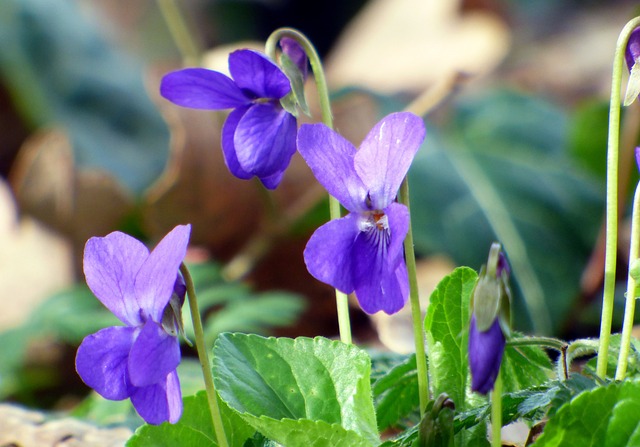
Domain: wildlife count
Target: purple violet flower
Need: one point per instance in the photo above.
(259, 136)
(632, 57)
(632, 52)
(363, 251)
(139, 360)
(490, 305)
(485, 355)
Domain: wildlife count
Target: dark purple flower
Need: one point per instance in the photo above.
(485, 355)
(137, 361)
(259, 136)
(632, 57)
(296, 53)
(363, 251)
(632, 52)
(638, 157)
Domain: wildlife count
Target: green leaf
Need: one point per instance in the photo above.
(298, 392)
(524, 367)
(396, 394)
(603, 417)
(194, 428)
(500, 171)
(447, 327)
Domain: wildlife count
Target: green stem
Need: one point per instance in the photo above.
(335, 211)
(203, 356)
(548, 342)
(612, 199)
(630, 306)
(496, 412)
(179, 30)
(416, 310)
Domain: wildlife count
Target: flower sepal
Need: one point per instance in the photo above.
(293, 62)
(491, 297)
(633, 85)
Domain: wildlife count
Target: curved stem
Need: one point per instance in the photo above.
(547, 342)
(496, 412)
(630, 305)
(335, 211)
(416, 310)
(203, 356)
(179, 30)
(612, 199)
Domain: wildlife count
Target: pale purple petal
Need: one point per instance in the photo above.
(110, 267)
(265, 140)
(386, 154)
(331, 157)
(228, 146)
(157, 276)
(154, 354)
(101, 361)
(161, 402)
(485, 355)
(255, 73)
(328, 253)
(272, 181)
(199, 88)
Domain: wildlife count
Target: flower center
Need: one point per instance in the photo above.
(375, 224)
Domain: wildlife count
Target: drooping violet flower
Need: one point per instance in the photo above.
(632, 57)
(296, 53)
(139, 360)
(259, 136)
(363, 251)
(490, 302)
(485, 355)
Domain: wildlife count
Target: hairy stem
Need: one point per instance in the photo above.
(630, 305)
(335, 211)
(203, 356)
(612, 199)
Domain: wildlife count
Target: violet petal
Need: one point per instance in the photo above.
(272, 181)
(328, 253)
(154, 354)
(161, 402)
(156, 278)
(228, 146)
(265, 140)
(330, 157)
(386, 154)
(255, 73)
(110, 267)
(485, 355)
(101, 361)
(377, 286)
(199, 88)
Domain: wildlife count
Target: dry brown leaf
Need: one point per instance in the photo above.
(34, 261)
(406, 45)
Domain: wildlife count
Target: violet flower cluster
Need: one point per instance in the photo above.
(491, 299)
(137, 361)
(363, 251)
(259, 135)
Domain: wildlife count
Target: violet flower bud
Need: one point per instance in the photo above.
(485, 355)
(632, 57)
(490, 303)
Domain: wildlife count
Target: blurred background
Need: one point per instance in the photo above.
(515, 152)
